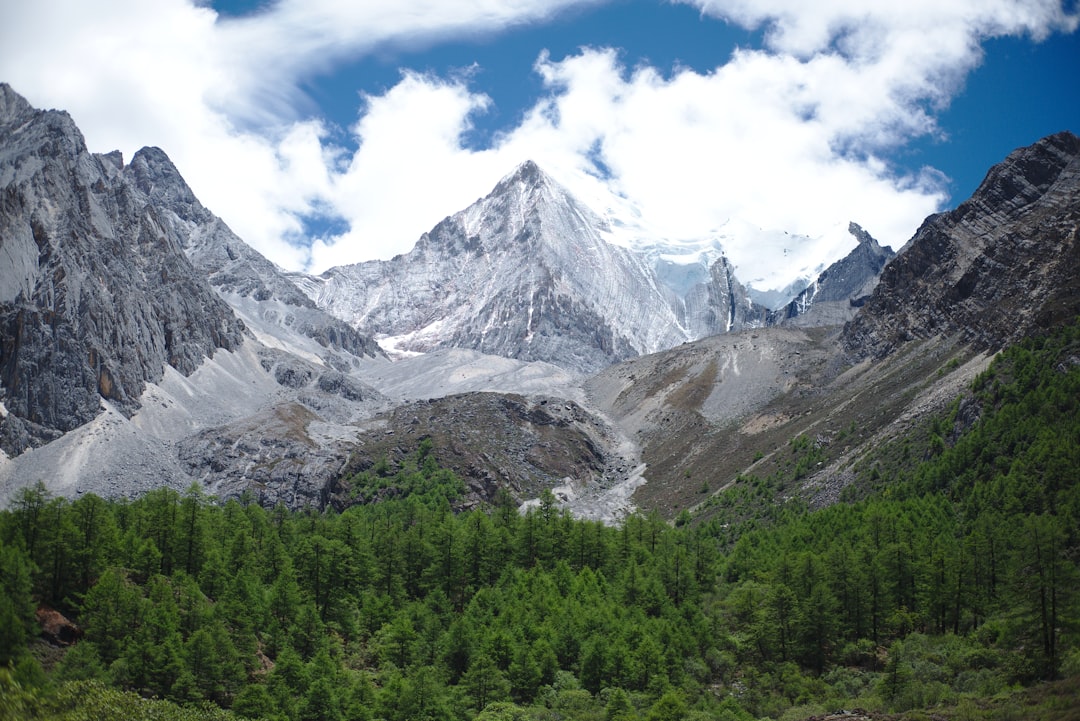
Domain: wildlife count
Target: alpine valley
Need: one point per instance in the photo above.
(541, 467)
(144, 344)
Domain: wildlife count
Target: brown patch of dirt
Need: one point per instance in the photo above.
(843, 412)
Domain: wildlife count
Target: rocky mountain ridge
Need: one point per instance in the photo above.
(233, 267)
(212, 366)
(841, 289)
(527, 273)
(999, 266)
(97, 296)
(523, 274)
(133, 321)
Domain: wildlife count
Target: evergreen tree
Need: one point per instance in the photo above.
(484, 682)
(152, 659)
(320, 702)
(16, 604)
(95, 540)
(110, 613)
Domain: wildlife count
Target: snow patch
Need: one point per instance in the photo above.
(390, 346)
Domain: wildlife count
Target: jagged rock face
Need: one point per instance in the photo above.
(841, 289)
(524, 273)
(720, 305)
(231, 265)
(104, 274)
(1000, 265)
(96, 294)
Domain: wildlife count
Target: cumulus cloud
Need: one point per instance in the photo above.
(903, 58)
(793, 136)
(222, 96)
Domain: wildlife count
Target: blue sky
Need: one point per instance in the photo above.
(1021, 91)
(326, 133)
(503, 62)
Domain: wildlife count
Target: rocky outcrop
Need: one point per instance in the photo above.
(495, 441)
(841, 289)
(232, 266)
(112, 273)
(721, 304)
(273, 456)
(96, 293)
(56, 628)
(1002, 264)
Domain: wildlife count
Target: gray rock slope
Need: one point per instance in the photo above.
(111, 287)
(96, 294)
(841, 289)
(527, 273)
(253, 285)
(113, 280)
(122, 364)
(1003, 263)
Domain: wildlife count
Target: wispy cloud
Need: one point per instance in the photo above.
(793, 136)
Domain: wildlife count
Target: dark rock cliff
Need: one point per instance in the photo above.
(96, 293)
(1001, 265)
(841, 289)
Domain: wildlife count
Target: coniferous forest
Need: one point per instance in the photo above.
(947, 582)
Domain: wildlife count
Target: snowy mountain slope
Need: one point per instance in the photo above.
(774, 264)
(527, 273)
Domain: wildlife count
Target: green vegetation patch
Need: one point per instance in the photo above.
(950, 588)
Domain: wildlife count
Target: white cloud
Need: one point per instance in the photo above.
(222, 96)
(409, 171)
(791, 137)
(270, 52)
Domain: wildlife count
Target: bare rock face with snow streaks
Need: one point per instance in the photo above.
(841, 289)
(140, 338)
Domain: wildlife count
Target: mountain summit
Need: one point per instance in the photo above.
(842, 288)
(526, 273)
(96, 295)
(142, 343)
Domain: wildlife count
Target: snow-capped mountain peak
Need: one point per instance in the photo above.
(529, 272)
(534, 273)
